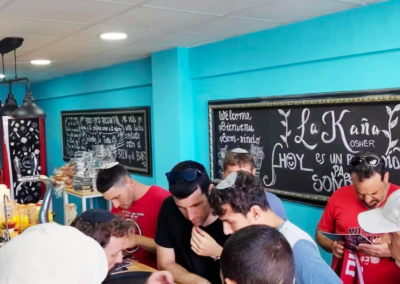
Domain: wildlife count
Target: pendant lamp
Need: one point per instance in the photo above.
(28, 109)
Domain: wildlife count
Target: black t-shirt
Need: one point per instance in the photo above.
(175, 231)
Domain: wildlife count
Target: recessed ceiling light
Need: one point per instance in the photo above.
(41, 62)
(113, 36)
(2, 76)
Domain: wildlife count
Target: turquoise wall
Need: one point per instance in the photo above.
(125, 85)
(353, 50)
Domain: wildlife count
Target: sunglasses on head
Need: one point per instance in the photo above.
(188, 175)
(371, 161)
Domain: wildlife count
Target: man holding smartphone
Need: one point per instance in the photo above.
(369, 190)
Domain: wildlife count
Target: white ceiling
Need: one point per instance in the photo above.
(67, 31)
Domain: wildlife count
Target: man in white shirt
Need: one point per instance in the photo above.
(239, 201)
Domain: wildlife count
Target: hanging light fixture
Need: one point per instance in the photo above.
(28, 109)
(11, 103)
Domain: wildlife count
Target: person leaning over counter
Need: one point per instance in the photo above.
(110, 231)
(185, 223)
(370, 189)
(241, 160)
(239, 201)
(134, 201)
(385, 220)
(114, 235)
(266, 257)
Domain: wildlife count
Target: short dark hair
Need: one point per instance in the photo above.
(102, 232)
(238, 159)
(364, 171)
(182, 188)
(244, 194)
(107, 178)
(258, 254)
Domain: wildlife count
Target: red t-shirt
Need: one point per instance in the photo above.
(145, 213)
(340, 217)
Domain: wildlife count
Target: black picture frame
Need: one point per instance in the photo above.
(145, 110)
(353, 97)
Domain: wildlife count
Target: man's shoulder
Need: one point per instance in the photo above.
(294, 234)
(343, 192)
(159, 191)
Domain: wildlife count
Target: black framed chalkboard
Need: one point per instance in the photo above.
(302, 145)
(127, 128)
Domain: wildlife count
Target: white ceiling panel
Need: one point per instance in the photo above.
(80, 11)
(184, 39)
(134, 34)
(150, 18)
(24, 27)
(231, 27)
(67, 31)
(56, 56)
(130, 2)
(29, 44)
(144, 48)
(208, 6)
(287, 11)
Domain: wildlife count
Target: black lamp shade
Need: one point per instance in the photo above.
(29, 109)
(10, 106)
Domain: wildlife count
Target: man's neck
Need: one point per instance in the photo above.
(269, 218)
(210, 219)
(139, 190)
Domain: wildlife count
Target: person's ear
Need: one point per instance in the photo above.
(253, 171)
(386, 177)
(210, 188)
(229, 281)
(255, 212)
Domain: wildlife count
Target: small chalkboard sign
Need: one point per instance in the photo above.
(302, 145)
(126, 128)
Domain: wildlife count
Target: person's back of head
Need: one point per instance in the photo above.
(241, 191)
(257, 254)
(111, 175)
(186, 177)
(52, 254)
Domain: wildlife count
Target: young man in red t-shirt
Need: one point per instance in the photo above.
(370, 189)
(135, 201)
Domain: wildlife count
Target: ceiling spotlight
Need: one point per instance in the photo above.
(2, 76)
(41, 62)
(113, 36)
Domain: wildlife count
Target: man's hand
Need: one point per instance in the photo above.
(160, 277)
(338, 249)
(203, 244)
(378, 249)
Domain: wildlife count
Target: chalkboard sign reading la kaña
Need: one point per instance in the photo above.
(302, 145)
(126, 128)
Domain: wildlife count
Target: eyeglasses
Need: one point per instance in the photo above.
(371, 161)
(188, 175)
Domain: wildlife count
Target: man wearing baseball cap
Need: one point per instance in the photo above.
(385, 220)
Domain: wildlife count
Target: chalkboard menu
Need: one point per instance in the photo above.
(302, 145)
(126, 128)
(24, 139)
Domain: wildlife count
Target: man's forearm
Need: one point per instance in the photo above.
(324, 242)
(146, 244)
(181, 275)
